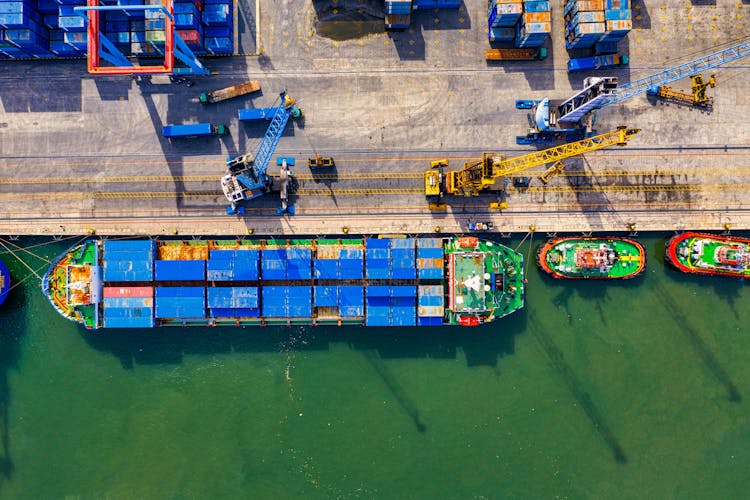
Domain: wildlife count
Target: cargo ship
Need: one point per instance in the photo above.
(4, 282)
(709, 254)
(592, 258)
(370, 281)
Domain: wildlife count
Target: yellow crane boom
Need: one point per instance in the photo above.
(477, 176)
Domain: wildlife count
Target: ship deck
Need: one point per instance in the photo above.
(84, 154)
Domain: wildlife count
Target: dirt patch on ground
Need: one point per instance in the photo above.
(348, 19)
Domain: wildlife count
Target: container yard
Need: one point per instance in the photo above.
(384, 106)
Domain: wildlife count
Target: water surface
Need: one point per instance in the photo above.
(594, 390)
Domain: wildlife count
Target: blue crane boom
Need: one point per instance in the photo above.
(554, 120)
(691, 68)
(247, 178)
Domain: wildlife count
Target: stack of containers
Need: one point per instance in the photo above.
(128, 307)
(233, 265)
(180, 302)
(430, 258)
(274, 263)
(128, 260)
(51, 28)
(332, 301)
(23, 31)
(596, 23)
(391, 258)
(138, 43)
(398, 14)
(431, 302)
(535, 24)
(187, 17)
(618, 21)
(73, 26)
(233, 302)
(391, 305)
(335, 261)
(217, 27)
(403, 259)
(287, 301)
(502, 17)
(153, 25)
(378, 262)
(124, 306)
(180, 270)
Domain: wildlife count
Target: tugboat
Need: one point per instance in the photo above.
(700, 253)
(4, 282)
(592, 258)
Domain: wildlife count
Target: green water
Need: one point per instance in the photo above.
(594, 390)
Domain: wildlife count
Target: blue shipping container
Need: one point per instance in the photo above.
(180, 302)
(180, 270)
(237, 265)
(218, 45)
(190, 130)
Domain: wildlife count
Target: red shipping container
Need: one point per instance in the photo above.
(190, 37)
(128, 291)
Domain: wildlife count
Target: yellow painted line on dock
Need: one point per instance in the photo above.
(713, 172)
(193, 178)
(116, 195)
(358, 192)
(117, 179)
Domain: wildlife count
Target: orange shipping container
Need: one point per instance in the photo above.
(590, 5)
(128, 291)
(536, 17)
(619, 25)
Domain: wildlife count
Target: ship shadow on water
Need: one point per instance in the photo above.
(726, 288)
(12, 313)
(482, 346)
(578, 390)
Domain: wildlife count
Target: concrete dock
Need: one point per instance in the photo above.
(81, 154)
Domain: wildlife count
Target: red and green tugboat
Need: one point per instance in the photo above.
(592, 258)
(710, 254)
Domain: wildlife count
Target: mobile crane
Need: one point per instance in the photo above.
(573, 119)
(247, 178)
(477, 176)
(696, 98)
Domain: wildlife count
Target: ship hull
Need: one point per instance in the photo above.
(592, 258)
(709, 254)
(4, 282)
(368, 282)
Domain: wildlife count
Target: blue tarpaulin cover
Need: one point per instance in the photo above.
(351, 301)
(287, 301)
(326, 296)
(233, 265)
(128, 312)
(233, 302)
(233, 297)
(128, 260)
(180, 270)
(180, 302)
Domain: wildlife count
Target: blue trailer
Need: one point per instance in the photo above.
(252, 114)
(597, 62)
(193, 130)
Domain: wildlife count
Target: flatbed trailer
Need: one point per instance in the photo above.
(193, 130)
(516, 54)
(229, 92)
